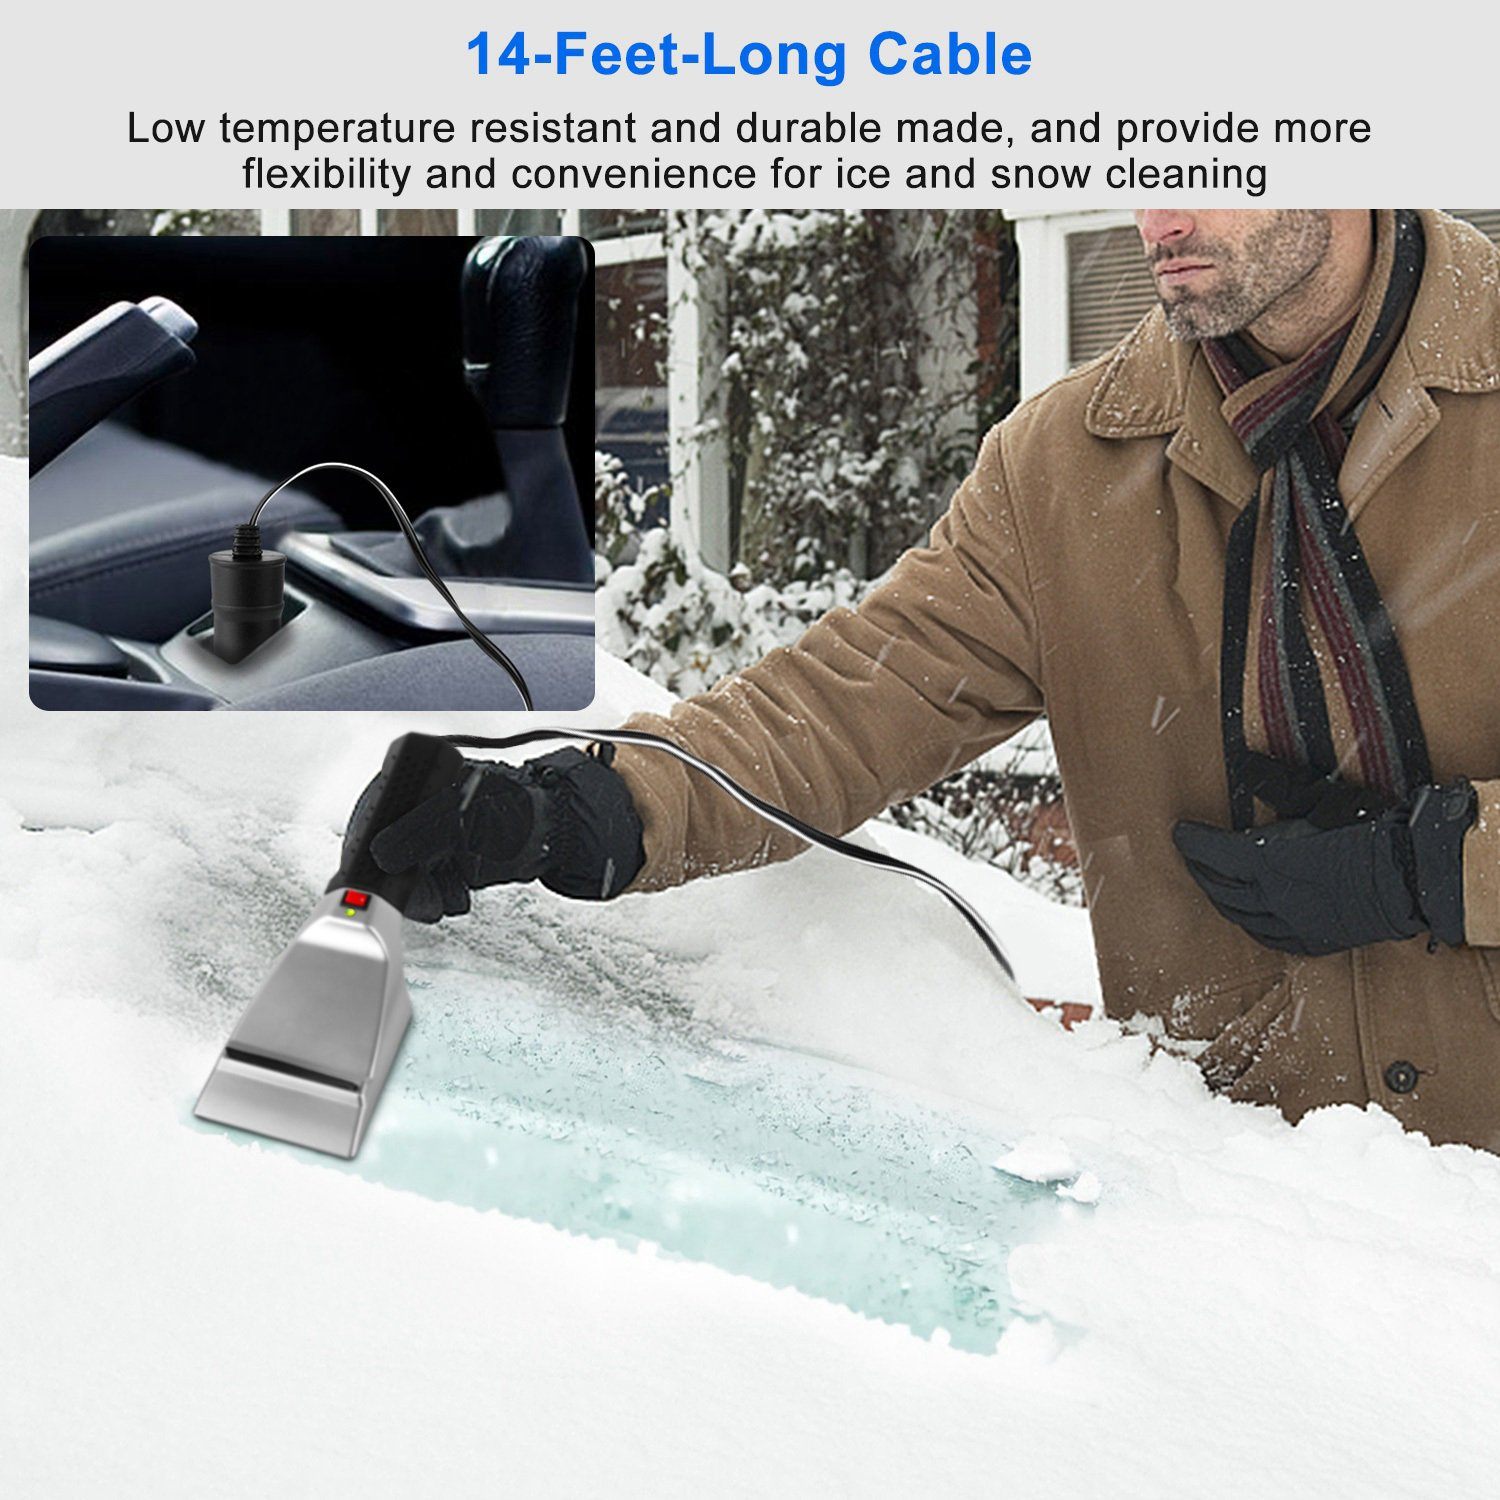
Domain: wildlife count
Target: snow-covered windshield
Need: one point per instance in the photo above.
(770, 1126)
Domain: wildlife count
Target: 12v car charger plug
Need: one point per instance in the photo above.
(248, 583)
(247, 590)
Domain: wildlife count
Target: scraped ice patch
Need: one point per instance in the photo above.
(639, 1124)
(1047, 1160)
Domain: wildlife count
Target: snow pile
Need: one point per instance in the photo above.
(1039, 1158)
(1247, 1308)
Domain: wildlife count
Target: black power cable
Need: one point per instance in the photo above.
(778, 816)
(249, 536)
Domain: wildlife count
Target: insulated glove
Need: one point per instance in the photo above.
(1341, 868)
(566, 819)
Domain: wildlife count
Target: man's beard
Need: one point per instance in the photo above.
(1272, 263)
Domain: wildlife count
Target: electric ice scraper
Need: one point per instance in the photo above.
(310, 1055)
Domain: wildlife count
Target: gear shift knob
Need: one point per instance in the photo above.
(520, 313)
(520, 318)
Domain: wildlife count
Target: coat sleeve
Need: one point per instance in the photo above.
(1482, 870)
(939, 663)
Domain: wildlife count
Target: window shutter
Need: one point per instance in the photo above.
(1109, 290)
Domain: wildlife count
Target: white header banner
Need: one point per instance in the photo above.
(1033, 109)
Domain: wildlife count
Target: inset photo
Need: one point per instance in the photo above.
(311, 471)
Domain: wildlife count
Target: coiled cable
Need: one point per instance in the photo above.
(409, 531)
(777, 816)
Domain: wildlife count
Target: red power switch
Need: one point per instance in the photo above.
(360, 899)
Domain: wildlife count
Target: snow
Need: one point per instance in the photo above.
(1039, 1158)
(1085, 1188)
(1225, 1303)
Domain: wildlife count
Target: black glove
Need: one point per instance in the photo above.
(565, 819)
(1342, 868)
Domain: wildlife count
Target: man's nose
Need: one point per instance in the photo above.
(1163, 226)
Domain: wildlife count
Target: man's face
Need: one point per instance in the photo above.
(1219, 270)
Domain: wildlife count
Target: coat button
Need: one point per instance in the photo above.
(1401, 1077)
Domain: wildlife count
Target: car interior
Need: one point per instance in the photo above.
(176, 380)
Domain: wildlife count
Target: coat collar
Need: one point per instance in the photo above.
(1153, 385)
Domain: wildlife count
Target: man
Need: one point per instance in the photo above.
(1248, 563)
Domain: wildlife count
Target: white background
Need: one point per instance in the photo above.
(1424, 80)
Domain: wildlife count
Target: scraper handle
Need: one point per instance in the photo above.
(416, 767)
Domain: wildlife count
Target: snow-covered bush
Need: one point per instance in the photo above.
(849, 398)
(686, 625)
(1006, 809)
(621, 513)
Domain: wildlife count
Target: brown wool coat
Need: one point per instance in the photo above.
(1079, 571)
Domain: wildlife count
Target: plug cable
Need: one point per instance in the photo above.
(248, 537)
(778, 816)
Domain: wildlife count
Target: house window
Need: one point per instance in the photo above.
(630, 394)
(630, 339)
(491, 221)
(417, 221)
(324, 221)
(612, 223)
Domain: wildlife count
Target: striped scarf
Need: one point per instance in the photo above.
(1324, 648)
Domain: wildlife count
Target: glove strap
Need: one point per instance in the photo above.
(594, 833)
(1440, 818)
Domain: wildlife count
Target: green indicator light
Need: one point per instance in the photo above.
(349, 911)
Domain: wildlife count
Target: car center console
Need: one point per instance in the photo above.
(338, 611)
